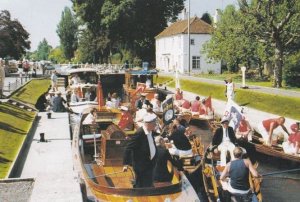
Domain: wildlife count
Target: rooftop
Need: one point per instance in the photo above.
(197, 26)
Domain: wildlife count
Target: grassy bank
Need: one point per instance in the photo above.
(14, 126)
(16, 122)
(280, 105)
(31, 92)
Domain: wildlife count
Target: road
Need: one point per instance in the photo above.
(269, 90)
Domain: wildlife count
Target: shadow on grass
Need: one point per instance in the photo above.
(4, 160)
(7, 127)
(14, 113)
(20, 92)
(245, 104)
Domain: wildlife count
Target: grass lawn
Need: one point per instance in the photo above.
(14, 126)
(237, 78)
(280, 105)
(31, 92)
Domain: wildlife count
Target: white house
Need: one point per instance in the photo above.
(172, 48)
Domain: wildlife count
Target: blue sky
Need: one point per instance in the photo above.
(40, 17)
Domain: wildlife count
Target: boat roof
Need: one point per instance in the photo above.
(143, 72)
(73, 71)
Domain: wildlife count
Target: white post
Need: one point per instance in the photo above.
(243, 68)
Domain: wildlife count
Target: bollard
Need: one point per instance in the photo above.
(49, 115)
(42, 137)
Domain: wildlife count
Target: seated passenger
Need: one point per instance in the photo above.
(195, 106)
(244, 132)
(238, 172)
(87, 95)
(75, 80)
(157, 108)
(115, 100)
(90, 118)
(74, 97)
(58, 103)
(225, 139)
(178, 94)
(181, 144)
(126, 121)
(292, 145)
(185, 105)
(109, 104)
(161, 172)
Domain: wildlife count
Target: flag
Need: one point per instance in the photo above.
(140, 87)
(233, 112)
(100, 95)
(208, 104)
(168, 111)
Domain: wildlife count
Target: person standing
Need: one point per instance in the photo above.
(229, 89)
(140, 152)
(225, 139)
(54, 81)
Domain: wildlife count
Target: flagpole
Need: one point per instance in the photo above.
(189, 38)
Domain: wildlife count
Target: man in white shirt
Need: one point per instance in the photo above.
(140, 152)
(225, 139)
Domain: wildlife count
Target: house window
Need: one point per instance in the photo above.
(196, 62)
(192, 41)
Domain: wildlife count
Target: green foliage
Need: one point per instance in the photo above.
(67, 31)
(292, 70)
(206, 17)
(43, 50)
(56, 55)
(123, 25)
(15, 124)
(31, 91)
(13, 37)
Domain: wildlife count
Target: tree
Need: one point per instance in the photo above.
(207, 18)
(67, 31)
(43, 50)
(56, 55)
(13, 37)
(232, 41)
(278, 24)
(127, 24)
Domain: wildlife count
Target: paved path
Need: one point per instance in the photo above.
(51, 163)
(275, 91)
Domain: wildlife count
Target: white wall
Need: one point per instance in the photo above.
(172, 51)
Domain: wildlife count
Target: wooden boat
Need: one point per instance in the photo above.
(274, 150)
(102, 174)
(211, 173)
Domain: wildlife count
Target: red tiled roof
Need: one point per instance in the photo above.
(197, 26)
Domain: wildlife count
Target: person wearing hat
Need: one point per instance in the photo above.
(126, 121)
(58, 103)
(140, 152)
(142, 100)
(225, 139)
(41, 102)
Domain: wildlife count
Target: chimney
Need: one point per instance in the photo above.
(184, 14)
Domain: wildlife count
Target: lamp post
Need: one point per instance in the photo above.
(243, 68)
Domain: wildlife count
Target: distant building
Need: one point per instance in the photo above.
(172, 47)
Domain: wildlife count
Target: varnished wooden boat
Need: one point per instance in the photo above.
(274, 150)
(103, 175)
(211, 173)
